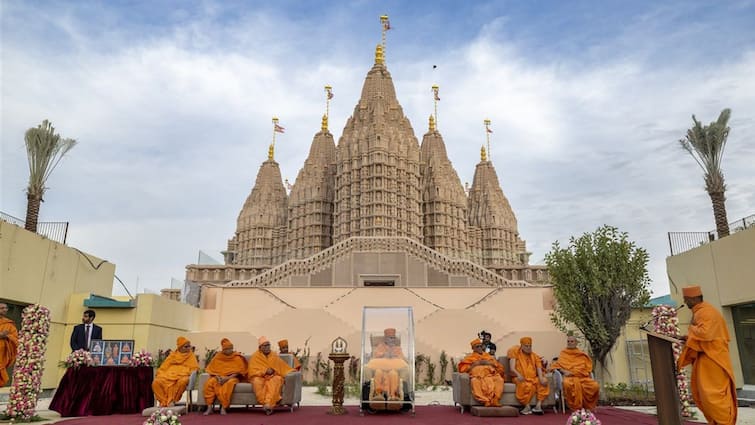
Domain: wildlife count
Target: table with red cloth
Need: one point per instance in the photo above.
(104, 390)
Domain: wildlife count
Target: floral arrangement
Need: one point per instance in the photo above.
(30, 362)
(163, 417)
(77, 359)
(666, 322)
(582, 417)
(142, 358)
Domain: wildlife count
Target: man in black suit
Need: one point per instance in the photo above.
(83, 334)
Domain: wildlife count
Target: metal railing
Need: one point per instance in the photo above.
(54, 230)
(684, 241)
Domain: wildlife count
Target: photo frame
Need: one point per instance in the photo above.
(112, 352)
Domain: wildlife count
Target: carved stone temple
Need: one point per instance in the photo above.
(380, 218)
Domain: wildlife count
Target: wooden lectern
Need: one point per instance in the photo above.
(664, 378)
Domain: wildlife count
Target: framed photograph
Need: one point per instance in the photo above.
(112, 352)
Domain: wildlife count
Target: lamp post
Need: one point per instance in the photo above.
(339, 355)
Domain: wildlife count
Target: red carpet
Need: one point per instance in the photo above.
(426, 415)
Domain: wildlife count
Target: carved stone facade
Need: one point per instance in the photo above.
(377, 206)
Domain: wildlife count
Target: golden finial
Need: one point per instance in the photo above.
(483, 156)
(436, 99)
(432, 123)
(487, 133)
(270, 152)
(379, 54)
(324, 126)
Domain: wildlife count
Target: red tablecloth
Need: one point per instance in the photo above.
(104, 390)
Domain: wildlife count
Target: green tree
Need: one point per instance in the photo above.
(706, 144)
(597, 280)
(44, 149)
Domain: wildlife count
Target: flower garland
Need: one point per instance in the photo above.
(666, 322)
(77, 359)
(142, 358)
(163, 417)
(27, 374)
(582, 417)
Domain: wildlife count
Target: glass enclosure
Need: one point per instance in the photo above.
(744, 328)
(387, 375)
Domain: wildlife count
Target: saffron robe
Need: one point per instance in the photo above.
(267, 388)
(386, 362)
(8, 348)
(527, 365)
(580, 391)
(707, 350)
(173, 376)
(486, 380)
(222, 366)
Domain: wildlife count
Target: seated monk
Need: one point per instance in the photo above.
(485, 375)
(283, 349)
(266, 371)
(387, 360)
(580, 391)
(530, 379)
(172, 377)
(226, 368)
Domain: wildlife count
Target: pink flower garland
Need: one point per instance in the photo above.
(582, 417)
(30, 363)
(666, 322)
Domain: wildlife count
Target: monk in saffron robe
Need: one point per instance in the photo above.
(387, 360)
(707, 350)
(580, 391)
(173, 375)
(485, 375)
(266, 372)
(8, 343)
(226, 368)
(283, 349)
(530, 379)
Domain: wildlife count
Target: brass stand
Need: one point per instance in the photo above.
(338, 380)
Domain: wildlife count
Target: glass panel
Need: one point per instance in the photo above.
(639, 364)
(387, 375)
(744, 328)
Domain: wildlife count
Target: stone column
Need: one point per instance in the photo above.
(338, 381)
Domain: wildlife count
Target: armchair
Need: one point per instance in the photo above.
(243, 393)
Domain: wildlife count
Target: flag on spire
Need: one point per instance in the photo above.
(488, 129)
(386, 23)
(330, 94)
(279, 129)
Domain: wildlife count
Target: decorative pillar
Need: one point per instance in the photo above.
(339, 355)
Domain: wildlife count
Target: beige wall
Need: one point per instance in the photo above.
(37, 270)
(726, 272)
(445, 318)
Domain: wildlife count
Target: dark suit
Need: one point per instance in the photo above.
(79, 337)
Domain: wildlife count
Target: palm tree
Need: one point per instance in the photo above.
(706, 144)
(44, 149)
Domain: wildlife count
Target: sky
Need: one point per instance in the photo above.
(171, 105)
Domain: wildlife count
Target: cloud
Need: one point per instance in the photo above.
(173, 120)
